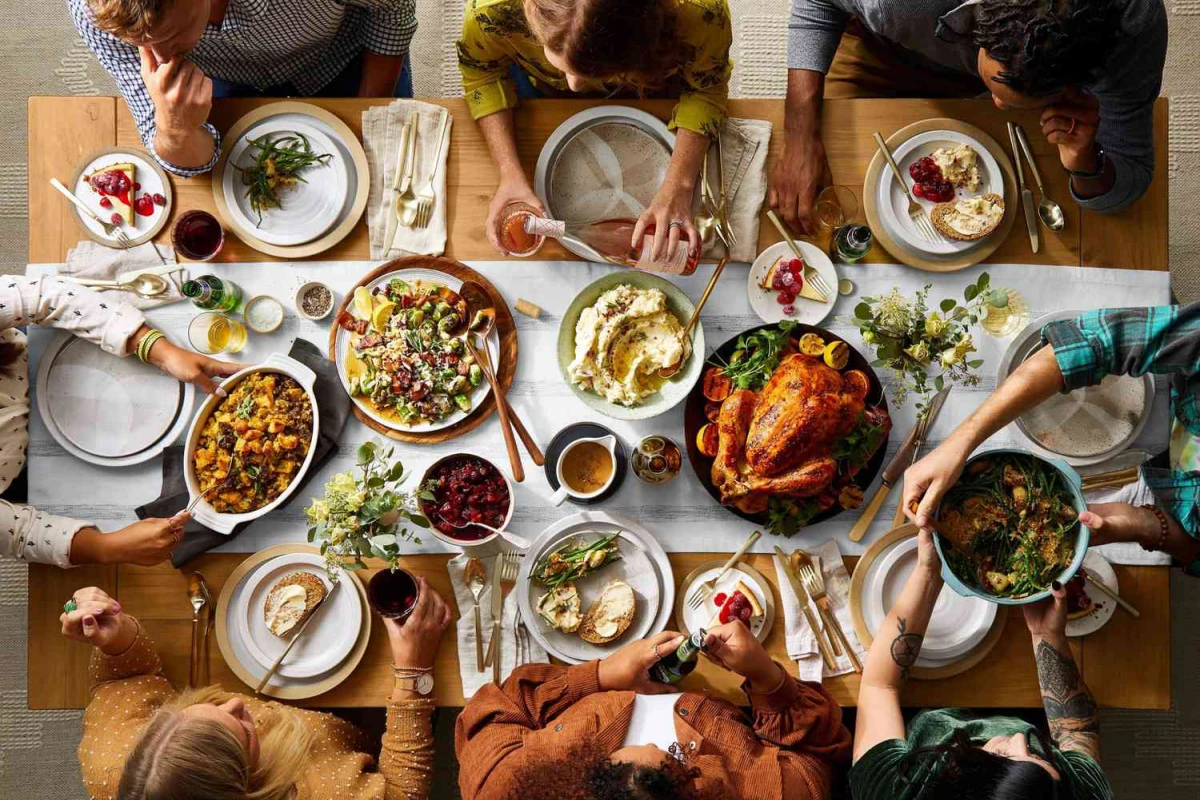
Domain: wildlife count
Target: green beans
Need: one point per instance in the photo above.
(277, 162)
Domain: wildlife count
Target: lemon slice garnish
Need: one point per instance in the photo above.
(837, 355)
(381, 315)
(363, 303)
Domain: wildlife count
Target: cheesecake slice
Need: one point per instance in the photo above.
(741, 604)
(116, 182)
(793, 268)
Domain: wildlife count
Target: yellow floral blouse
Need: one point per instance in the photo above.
(496, 35)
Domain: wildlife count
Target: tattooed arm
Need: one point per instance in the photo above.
(894, 651)
(1071, 711)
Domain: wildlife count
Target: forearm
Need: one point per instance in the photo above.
(1035, 381)
(500, 134)
(406, 758)
(802, 109)
(380, 74)
(89, 546)
(1071, 711)
(1087, 188)
(898, 642)
(187, 148)
(690, 150)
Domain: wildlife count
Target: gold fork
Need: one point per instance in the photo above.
(814, 582)
(508, 564)
(115, 231)
(426, 196)
(915, 212)
(406, 198)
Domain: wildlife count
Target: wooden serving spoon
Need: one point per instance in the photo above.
(686, 333)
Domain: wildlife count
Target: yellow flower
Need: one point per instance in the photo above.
(337, 536)
(919, 351)
(935, 326)
(958, 353)
(342, 482)
(318, 511)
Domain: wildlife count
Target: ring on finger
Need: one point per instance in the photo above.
(675, 223)
(656, 655)
(70, 606)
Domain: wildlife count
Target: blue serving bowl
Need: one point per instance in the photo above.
(1074, 485)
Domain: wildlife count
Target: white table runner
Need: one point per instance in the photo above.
(681, 513)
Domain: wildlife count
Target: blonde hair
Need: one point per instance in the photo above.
(129, 18)
(179, 757)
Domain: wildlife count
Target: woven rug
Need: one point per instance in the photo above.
(1145, 754)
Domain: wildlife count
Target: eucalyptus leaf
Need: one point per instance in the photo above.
(984, 281)
(998, 298)
(384, 540)
(419, 520)
(862, 311)
(366, 453)
(948, 305)
(971, 292)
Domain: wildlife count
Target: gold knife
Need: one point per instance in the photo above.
(802, 597)
(1026, 194)
(271, 672)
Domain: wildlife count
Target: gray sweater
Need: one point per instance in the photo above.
(940, 30)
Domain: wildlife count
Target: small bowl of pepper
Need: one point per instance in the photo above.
(314, 301)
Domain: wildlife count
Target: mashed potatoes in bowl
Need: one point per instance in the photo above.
(617, 335)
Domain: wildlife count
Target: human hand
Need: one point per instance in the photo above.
(1048, 618)
(181, 92)
(144, 543)
(802, 170)
(1071, 124)
(190, 367)
(514, 189)
(734, 648)
(415, 640)
(672, 204)
(1120, 522)
(927, 557)
(926, 481)
(97, 620)
(628, 669)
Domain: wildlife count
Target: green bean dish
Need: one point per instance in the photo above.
(277, 164)
(1010, 523)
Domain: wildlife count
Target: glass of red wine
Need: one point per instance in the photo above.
(197, 235)
(393, 593)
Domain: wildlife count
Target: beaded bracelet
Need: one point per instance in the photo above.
(146, 342)
(1163, 529)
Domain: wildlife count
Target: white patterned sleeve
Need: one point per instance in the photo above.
(51, 301)
(27, 534)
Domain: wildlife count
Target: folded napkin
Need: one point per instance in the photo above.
(94, 261)
(744, 144)
(1138, 494)
(800, 639)
(333, 406)
(381, 127)
(516, 648)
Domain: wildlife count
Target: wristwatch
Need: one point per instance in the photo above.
(421, 683)
(1074, 173)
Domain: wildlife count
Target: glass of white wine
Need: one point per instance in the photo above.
(1006, 320)
(834, 207)
(212, 333)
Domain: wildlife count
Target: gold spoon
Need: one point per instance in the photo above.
(144, 285)
(476, 577)
(198, 597)
(685, 334)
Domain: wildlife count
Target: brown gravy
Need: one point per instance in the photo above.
(587, 467)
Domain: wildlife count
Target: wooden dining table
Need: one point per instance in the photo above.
(1126, 663)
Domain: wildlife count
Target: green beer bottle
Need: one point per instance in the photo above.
(210, 293)
(850, 243)
(677, 665)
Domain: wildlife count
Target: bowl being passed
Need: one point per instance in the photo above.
(1074, 487)
(467, 540)
(204, 513)
(675, 389)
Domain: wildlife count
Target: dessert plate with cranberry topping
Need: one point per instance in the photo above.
(939, 166)
(778, 289)
(1089, 609)
(742, 594)
(127, 188)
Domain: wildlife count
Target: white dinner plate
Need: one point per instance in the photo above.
(108, 411)
(696, 618)
(310, 207)
(958, 623)
(147, 174)
(1105, 605)
(893, 205)
(427, 277)
(764, 302)
(656, 604)
(327, 640)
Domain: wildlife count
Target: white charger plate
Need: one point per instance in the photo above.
(763, 301)
(427, 277)
(116, 389)
(1105, 605)
(696, 618)
(326, 641)
(309, 208)
(147, 173)
(893, 205)
(958, 623)
(634, 539)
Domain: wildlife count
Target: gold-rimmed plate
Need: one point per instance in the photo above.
(689, 619)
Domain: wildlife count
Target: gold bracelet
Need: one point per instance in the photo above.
(148, 341)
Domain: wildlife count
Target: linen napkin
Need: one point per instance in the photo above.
(94, 261)
(381, 127)
(799, 637)
(333, 406)
(744, 144)
(515, 648)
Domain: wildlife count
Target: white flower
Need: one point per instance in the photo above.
(894, 313)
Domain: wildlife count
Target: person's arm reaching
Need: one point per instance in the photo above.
(674, 199)
(894, 652)
(499, 133)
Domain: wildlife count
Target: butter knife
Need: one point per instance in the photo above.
(1027, 205)
(493, 653)
(274, 667)
(802, 597)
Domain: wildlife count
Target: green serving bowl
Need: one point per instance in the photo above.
(675, 389)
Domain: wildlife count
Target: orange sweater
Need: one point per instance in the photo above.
(129, 689)
(788, 750)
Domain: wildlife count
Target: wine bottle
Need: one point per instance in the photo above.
(681, 662)
(210, 293)
(611, 238)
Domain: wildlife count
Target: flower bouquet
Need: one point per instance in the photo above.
(360, 515)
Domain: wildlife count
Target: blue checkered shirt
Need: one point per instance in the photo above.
(261, 43)
(1163, 340)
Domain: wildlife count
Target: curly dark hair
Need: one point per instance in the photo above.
(1046, 45)
(968, 771)
(587, 773)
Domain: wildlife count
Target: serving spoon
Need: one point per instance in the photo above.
(144, 285)
(685, 335)
(518, 541)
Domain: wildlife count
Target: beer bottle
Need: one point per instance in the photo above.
(210, 293)
(677, 665)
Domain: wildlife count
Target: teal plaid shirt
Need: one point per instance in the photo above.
(1163, 340)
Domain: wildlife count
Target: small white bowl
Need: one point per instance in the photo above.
(303, 290)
